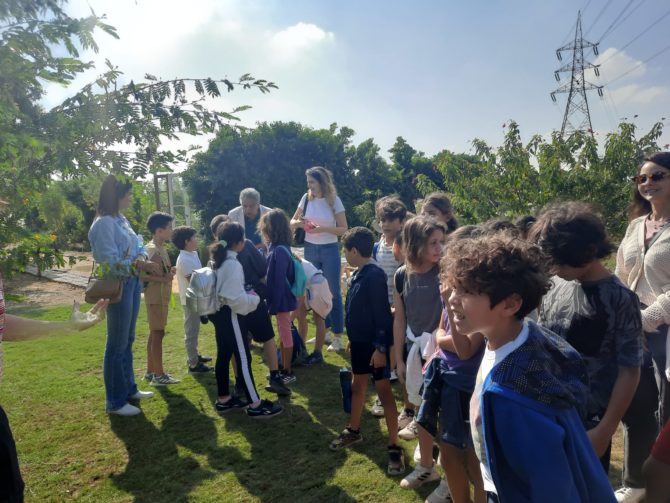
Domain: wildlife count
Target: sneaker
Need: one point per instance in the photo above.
(149, 376)
(234, 403)
(287, 377)
(265, 410)
(336, 345)
(419, 476)
(440, 494)
(396, 464)
(347, 437)
(405, 418)
(141, 394)
(378, 408)
(200, 368)
(629, 495)
(127, 410)
(315, 358)
(409, 432)
(204, 359)
(394, 376)
(276, 385)
(163, 380)
(417, 454)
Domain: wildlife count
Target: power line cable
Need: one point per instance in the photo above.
(572, 29)
(624, 19)
(623, 11)
(643, 32)
(667, 47)
(602, 11)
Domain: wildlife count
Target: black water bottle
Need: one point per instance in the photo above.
(345, 386)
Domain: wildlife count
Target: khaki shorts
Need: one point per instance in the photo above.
(157, 315)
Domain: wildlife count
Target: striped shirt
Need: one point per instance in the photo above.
(388, 263)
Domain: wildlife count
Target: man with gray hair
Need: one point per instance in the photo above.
(249, 213)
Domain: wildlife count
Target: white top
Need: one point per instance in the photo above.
(187, 262)
(646, 273)
(230, 287)
(491, 359)
(386, 260)
(320, 213)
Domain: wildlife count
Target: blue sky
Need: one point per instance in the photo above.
(438, 73)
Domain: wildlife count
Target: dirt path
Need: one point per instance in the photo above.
(42, 292)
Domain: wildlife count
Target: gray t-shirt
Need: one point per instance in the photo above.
(420, 293)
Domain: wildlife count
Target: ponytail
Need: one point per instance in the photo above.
(228, 234)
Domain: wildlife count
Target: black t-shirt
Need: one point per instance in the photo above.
(601, 320)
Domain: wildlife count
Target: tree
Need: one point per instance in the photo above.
(83, 134)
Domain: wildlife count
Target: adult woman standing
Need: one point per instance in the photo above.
(642, 264)
(119, 252)
(321, 214)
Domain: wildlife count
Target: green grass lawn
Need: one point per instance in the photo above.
(179, 449)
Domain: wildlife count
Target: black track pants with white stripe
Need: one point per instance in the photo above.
(230, 342)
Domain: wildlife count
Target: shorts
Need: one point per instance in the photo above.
(157, 315)
(661, 450)
(259, 324)
(11, 484)
(361, 354)
(449, 405)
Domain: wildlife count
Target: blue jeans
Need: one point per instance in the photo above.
(118, 363)
(327, 258)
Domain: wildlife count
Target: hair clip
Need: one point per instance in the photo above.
(223, 242)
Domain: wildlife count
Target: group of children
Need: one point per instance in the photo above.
(513, 379)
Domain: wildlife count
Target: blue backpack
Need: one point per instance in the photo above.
(299, 277)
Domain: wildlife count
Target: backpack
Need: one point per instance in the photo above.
(201, 294)
(299, 277)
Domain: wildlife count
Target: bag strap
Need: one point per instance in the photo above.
(304, 206)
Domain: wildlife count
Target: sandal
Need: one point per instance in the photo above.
(347, 437)
(396, 464)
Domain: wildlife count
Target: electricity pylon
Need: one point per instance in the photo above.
(577, 116)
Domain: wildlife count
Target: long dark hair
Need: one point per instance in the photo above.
(111, 192)
(640, 206)
(231, 233)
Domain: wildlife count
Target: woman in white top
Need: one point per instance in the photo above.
(643, 264)
(321, 213)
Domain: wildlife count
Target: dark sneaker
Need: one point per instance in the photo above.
(287, 377)
(396, 464)
(204, 359)
(315, 358)
(233, 404)
(276, 385)
(265, 410)
(347, 437)
(200, 368)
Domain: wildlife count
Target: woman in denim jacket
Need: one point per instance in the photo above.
(119, 254)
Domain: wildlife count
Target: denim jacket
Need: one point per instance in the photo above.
(114, 243)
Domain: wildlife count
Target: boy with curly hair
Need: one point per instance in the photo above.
(531, 386)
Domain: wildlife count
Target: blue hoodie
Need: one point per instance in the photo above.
(536, 444)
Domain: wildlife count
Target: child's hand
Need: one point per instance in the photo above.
(378, 360)
(445, 292)
(599, 438)
(400, 371)
(82, 321)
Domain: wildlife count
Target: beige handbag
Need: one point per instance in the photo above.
(103, 288)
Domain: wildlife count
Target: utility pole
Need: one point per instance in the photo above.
(577, 116)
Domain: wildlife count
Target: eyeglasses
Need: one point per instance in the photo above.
(640, 179)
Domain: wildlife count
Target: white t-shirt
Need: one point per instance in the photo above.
(491, 359)
(187, 262)
(320, 213)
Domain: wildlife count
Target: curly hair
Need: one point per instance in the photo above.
(571, 233)
(274, 227)
(498, 266)
(182, 234)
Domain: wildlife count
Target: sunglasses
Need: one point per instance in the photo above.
(640, 179)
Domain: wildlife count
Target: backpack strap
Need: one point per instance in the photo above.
(399, 280)
(375, 247)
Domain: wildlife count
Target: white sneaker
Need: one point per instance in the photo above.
(394, 376)
(336, 345)
(126, 410)
(409, 432)
(328, 338)
(419, 476)
(378, 409)
(440, 494)
(141, 394)
(629, 495)
(417, 454)
(404, 419)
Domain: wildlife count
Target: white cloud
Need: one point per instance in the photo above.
(637, 94)
(290, 44)
(614, 63)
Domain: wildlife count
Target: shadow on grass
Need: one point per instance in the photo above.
(288, 457)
